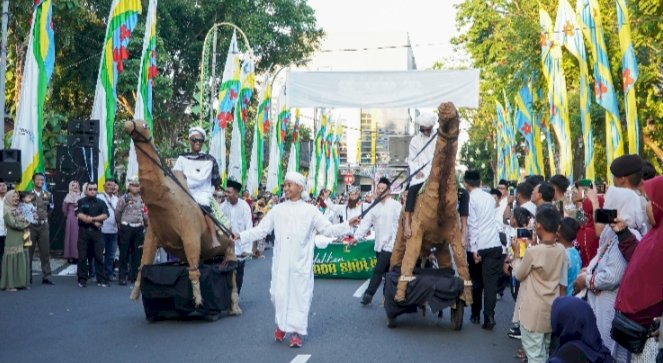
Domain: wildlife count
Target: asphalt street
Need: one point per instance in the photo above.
(64, 323)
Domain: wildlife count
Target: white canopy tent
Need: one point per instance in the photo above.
(393, 89)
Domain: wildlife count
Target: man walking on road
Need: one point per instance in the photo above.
(237, 210)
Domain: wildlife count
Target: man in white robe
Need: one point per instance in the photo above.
(202, 175)
(294, 223)
(420, 153)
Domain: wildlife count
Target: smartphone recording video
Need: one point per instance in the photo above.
(605, 216)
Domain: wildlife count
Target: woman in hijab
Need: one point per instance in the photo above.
(604, 273)
(71, 226)
(574, 324)
(640, 297)
(15, 262)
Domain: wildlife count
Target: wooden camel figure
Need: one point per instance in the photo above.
(435, 221)
(176, 222)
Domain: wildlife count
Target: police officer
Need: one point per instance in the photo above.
(91, 212)
(39, 231)
(132, 217)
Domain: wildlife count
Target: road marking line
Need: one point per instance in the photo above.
(301, 358)
(361, 289)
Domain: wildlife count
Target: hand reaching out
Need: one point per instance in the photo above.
(354, 221)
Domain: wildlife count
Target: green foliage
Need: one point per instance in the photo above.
(281, 32)
(502, 37)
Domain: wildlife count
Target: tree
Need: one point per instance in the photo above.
(281, 32)
(502, 37)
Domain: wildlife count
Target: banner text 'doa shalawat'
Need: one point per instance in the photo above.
(341, 261)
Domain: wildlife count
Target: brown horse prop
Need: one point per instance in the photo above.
(435, 221)
(176, 222)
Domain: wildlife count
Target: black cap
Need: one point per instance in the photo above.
(233, 184)
(472, 175)
(626, 165)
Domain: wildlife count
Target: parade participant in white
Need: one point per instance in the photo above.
(202, 175)
(294, 223)
(420, 154)
(239, 213)
(384, 217)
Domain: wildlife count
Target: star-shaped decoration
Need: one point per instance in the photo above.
(627, 80)
(569, 29)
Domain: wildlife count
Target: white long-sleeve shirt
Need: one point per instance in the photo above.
(384, 217)
(241, 219)
(481, 228)
(417, 143)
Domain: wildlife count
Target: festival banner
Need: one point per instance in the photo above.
(504, 141)
(146, 75)
(274, 167)
(604, 91)
(551, 59)
(342, 261)
(122, 21)
(329, 141)
(320, 155)
(567, 33)
(228, 94)
(260, 129)
(293, 159)
(237, 159)
(525, 125)
(37, 71)
(629, 77)
(514, 167)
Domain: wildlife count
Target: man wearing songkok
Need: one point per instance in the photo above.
(237, 210)
(384, 218)
(293, 223)
(628, 172)
(420, 153)
(202, 175)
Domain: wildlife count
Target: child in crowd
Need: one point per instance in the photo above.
(520, 218)
(568, 229)
(26, 207)
(541, 271)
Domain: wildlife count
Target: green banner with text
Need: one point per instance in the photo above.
(341, 261)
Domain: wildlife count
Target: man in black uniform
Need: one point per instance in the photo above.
(91, 212)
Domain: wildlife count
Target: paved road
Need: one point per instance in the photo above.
(64, 323)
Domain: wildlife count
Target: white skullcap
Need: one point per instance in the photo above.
(133, 180)
(298, 179)
(427, 119)
(196, 130)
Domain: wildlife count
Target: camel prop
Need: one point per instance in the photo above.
(435, 221)
(176, 222)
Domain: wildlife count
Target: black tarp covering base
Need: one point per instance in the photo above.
(167, 292)
(439, 288)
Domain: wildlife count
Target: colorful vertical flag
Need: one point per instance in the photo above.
(282, 124)
(237, 159)
(37, 71)
(293, 160)
(604, 91)
(320, 154)
(629, 77)
(122, 21)
(514, 167)
(551, 59)
(260, 129)
(503, 143)
(526, 126)
(228, 94)
(146, 75)
(330, 159)
(568, 34)
(274, 167)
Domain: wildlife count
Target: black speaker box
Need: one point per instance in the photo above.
(10, 155)
(83, 127)
(75, 163)
(10, 171)
(83, 140)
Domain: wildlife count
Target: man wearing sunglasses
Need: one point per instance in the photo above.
(201, 172)
(420, 153)
(91, 213)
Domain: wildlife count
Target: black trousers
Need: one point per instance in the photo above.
(239, 275)
(2, 251)
(131, 251)
(485, 276)
(412, 193)
(381, 268)
(90, 242)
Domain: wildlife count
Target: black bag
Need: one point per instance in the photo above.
(628, 333)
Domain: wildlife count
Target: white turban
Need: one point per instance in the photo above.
(196, 130)
(427, 119)
(298, 179)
